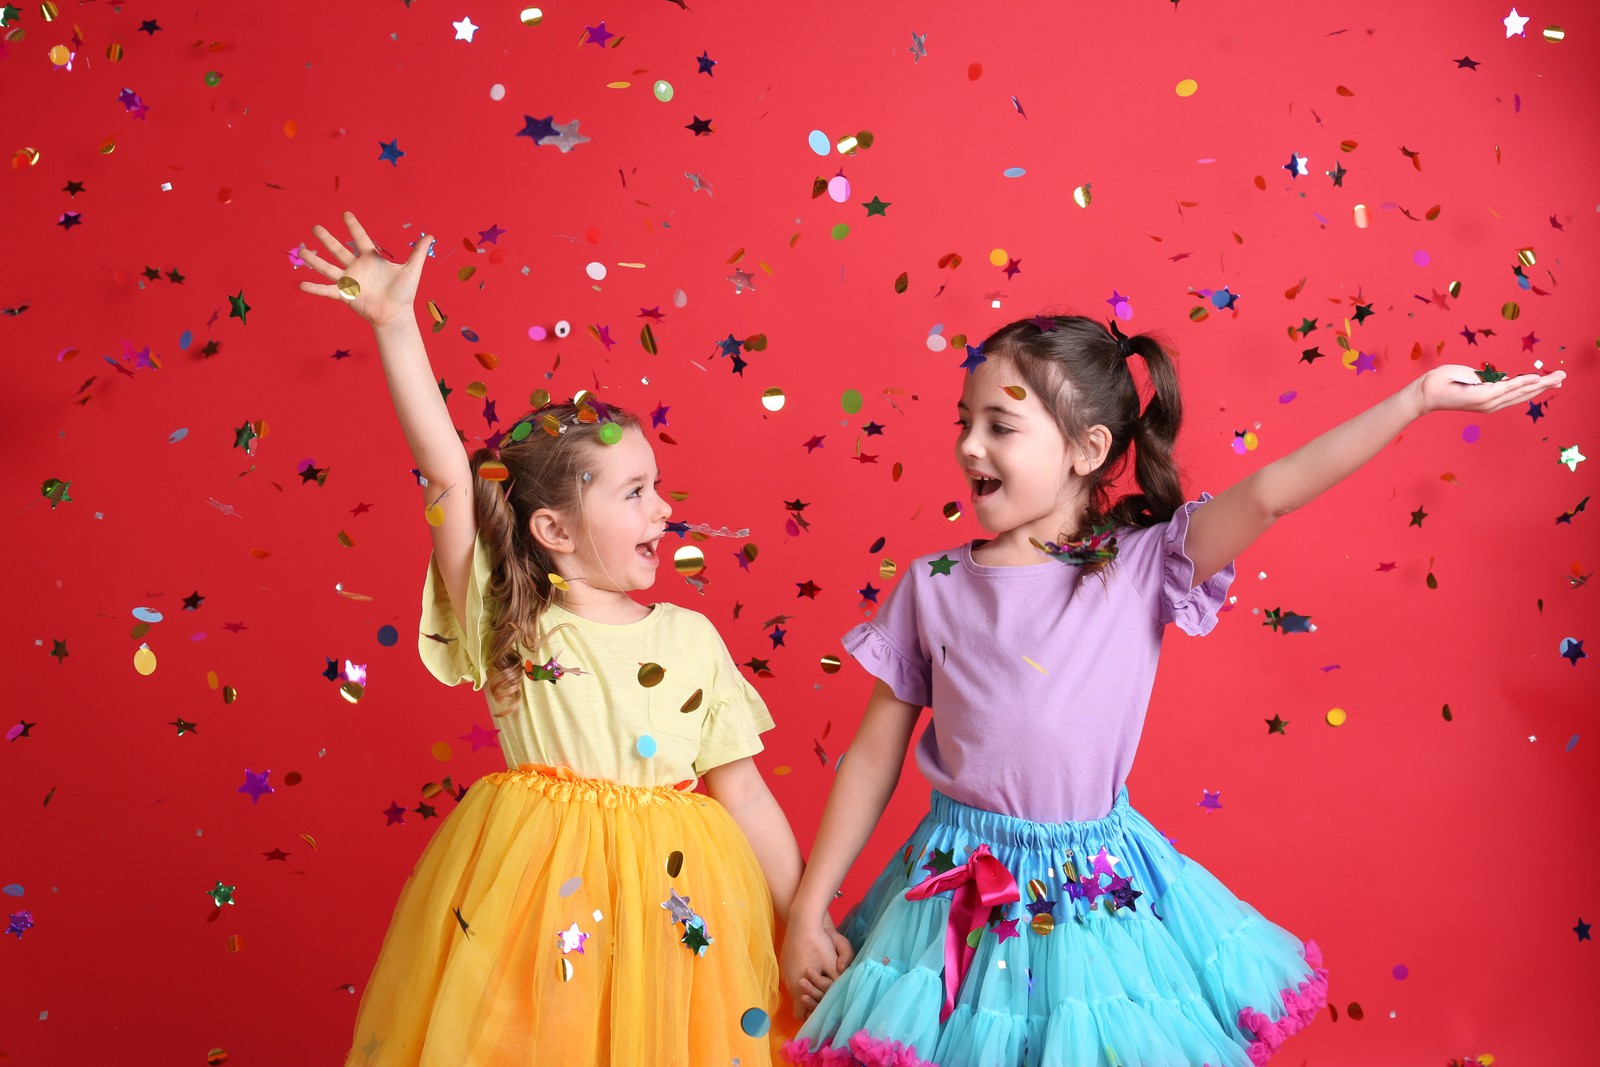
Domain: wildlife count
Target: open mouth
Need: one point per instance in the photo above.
(982, 486)
(647, 550)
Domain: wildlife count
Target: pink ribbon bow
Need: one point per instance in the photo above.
(980, 883)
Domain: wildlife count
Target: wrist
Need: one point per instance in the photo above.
(401, 321)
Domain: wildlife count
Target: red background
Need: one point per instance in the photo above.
(1461, 850)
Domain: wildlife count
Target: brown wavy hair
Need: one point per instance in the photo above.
(1078, 368)
(544, 470)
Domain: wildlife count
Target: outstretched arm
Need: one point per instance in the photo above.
(865, 782)
(383, 293)
(1228, 524)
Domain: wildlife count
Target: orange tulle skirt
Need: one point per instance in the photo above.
(541, 926)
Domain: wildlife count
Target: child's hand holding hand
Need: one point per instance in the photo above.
(381, 291)
(1458, 388)
(811, 959)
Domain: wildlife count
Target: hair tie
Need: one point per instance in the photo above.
(1124, 343)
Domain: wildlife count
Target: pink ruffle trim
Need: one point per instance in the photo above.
(864, 1051)
(1303, 1004)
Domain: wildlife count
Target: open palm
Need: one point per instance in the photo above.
(382, 290)
(1458, 388)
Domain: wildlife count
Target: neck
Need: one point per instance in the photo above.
(1014, 547)
(600, 605)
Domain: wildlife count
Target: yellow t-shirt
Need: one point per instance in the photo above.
(598, 718)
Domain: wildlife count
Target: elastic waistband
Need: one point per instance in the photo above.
(998, 829)
(565, 784)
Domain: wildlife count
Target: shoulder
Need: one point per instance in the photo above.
(683, 622)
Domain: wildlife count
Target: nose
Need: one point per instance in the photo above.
(967, 446)
(666, 508)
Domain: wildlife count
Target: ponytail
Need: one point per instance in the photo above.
(1154, 434)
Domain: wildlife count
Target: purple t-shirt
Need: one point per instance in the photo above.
(1038, 684)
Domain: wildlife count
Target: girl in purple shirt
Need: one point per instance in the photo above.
(1034, 917)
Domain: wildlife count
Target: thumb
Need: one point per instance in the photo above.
(419, 253)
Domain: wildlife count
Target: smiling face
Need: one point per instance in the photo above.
(621, 518)
(1019, 466)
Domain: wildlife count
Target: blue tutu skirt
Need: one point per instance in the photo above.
(991, 941)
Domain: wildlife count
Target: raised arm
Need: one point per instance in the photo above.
(1228, 524)
(383, 293)
(865, 782)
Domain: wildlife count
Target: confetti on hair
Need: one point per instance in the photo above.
(1100, 547)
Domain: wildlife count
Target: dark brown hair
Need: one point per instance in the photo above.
(1079, 369)
(544, 469)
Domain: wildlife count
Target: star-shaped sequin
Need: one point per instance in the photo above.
(701, 127)
(390, 152)
(222, 894)
(464, 30)
(597, 34)
(1571, 457)
(571, 939)
(240, 308)
(679, 907)
(942, 565)
(975, 356)
(704, 63)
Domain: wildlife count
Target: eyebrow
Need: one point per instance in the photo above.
(996, 409)
(639, 479)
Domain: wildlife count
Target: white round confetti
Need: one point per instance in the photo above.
(147, 614)
(497, 92)
(818, 142)
(569, 887)
(937, 343)
(773, 399)
(563, 328)
(679, 298)
(646, 746)
(838, 188)
(597, 271)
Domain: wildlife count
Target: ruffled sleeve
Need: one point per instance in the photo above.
(1194, 608)
(889, 647)
(736, 716)
(456, 649)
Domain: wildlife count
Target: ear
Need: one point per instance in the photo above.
(552, 531)
(1091, 453)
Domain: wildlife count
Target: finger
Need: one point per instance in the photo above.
(419, 253)
(321, 290)
(811, 991)
(339, 252)
(318, 264)
(359, 234)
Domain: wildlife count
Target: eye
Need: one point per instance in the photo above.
(1001, 429)
(961, 423)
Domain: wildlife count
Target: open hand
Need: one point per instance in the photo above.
(1457, 388)
(376, 289)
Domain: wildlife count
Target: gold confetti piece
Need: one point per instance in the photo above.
(1342, 91)
(617, 85)
(1198, 314)
(564, 969)
(1035, 666)
(847, 145)
(886, 569)
(950, 260)
(465, 273)
(1354, 1012)
(1526, 256)
(674, 864)
(677, 496)
(647, 338)
(830, 664)
(352, 691)
(1554, 34)
(308, 839)
(531, 16)
(235, 943)
(144, 661)
(1042, 923)
(114, 53)
(347, 541)
(1433, 213)
(998, 257)
(773, 399)
(434, 514)
(1187, 87)
(559, 582)
(1336, 717)
(60, 55)
(952, 510)
(651, 674)
(493, 470)
(216, 1057)
(437, 315)
(902, 282)
(1510, 310)
(693, 703)
(441, 750)
(1016, 392)
(750, 552)
(864, 138)
(230, 695)
(1081, 195)
(538, 398)
(49, 11)
(756, 342)
(688, 561)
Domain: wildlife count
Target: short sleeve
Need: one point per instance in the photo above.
(453, 648)
(890, 650)
(1193, 607)
(736, 716)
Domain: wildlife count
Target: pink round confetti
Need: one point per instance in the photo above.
(1421, 258)
(838, 188)
(536, 333)
(1285, 398)
(1471, 434)
(1400, 972)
